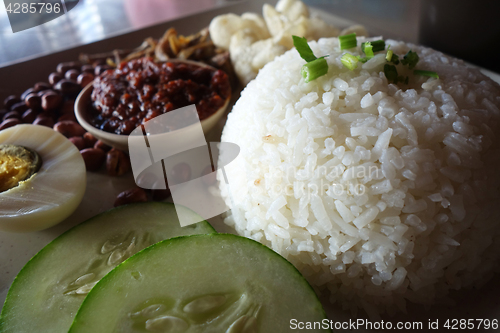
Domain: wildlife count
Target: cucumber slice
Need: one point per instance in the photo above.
(48, 291)
(206, 283)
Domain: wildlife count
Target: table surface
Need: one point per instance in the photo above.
(94, 20)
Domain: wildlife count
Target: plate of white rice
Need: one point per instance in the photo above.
(384, 196)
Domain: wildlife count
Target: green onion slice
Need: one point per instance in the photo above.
(349, 61)
(362, 59)
(410, 59)
(426, 73)
(348, 41)
(391, 73)
(389, 55)
(367, 48)
(314, 69)
(378, 45)
(303, 48)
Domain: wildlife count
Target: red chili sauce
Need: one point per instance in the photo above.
(142, 89)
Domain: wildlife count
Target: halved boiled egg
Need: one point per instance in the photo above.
(42, 178)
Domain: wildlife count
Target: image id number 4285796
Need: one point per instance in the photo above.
(33, 7)
(471, 324)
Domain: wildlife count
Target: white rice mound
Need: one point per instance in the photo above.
(380, 193)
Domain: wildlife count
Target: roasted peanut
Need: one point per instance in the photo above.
(78, 142)
(101, 145)
(160, 195)
(33, 101)
(181, 173)
(131, 196)
(117, 162)
(93, 158)
(44, 120)
(41, 86)
(101, 68)
(26, 93)
(51, 100)
(19, 107)
(11, 100)
(12, 114)
(209, 177)
(72, 74)
(67, 116)
(68, 106)
(90, 140)
(87, 69)
(29, 116)
(9, 123)
(69, 128)
(84, 79)
(63, 67)
(68, 87)
(54, 78)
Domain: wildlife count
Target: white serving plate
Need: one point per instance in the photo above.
(17, 249)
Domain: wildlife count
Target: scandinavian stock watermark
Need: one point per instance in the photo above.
(26, 14)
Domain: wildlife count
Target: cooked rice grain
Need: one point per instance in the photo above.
(379, 193)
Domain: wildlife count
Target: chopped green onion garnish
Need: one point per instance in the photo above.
(395, 59)
(391, 73)
(349, 61)
(367, 48)
(389, 55)
(378, 45)
(401, 78)
(410, 59)
(426, 73)
(314, 69)
(362, 59)
(303, 48)
(348, 41)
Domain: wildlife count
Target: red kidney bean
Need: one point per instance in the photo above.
(11, 100)
(29, 116)
(51, 101)
(33, 101)
(9, 123)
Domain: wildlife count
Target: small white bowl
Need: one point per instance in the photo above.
(120, 141)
